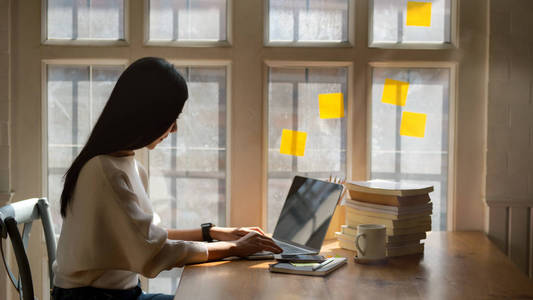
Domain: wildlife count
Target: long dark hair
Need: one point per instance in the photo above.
(146, 100)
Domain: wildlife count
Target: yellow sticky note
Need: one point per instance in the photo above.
(413, 124)
(293, 142)
(395, 92)
(331, 106)
(418, 13)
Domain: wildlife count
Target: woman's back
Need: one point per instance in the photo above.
(108, 237)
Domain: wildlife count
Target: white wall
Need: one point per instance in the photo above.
(509, 180)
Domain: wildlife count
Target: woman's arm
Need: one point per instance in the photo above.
(234, 241)
(217, 233)
(185, 234)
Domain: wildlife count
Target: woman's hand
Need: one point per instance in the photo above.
(232, 233)
(254, 242)
(249, 244)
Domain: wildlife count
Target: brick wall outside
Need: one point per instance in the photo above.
(510, 107)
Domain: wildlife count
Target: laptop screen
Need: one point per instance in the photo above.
(307, 212)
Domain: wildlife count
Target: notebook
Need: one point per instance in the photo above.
(307, 269)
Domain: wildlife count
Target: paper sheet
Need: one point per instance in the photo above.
(418, 13)
(293, 142)
(331, 106)
(395, 92)
(413, 124)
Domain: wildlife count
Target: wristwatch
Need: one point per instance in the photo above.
(206, 228)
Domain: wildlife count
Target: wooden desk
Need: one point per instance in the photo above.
(459, 265)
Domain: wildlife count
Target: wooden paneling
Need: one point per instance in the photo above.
(498, 226)
(511, 229)
(530, 242)
(519, 237)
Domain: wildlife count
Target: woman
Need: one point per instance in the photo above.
(107, 237)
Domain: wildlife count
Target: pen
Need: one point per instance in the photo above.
(327, 261)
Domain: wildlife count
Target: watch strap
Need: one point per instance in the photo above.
(206, 232)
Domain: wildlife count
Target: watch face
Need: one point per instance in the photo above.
(207, 225)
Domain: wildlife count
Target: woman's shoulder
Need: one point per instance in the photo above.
(111, 164)
(104, 165)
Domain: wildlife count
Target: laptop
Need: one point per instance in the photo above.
(305, 217)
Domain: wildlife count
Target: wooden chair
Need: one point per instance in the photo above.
(25, 212)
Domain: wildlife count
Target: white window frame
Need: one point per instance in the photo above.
(349, 116)
(223, 43)
(454, 34)
(44, 100)
(210, 63)
(84, 42)
(142, 154)
(345, 44)
(452, 120)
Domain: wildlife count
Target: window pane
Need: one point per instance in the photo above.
(408, 158)
(390, 22)
(187, 20)
(293, 104)
(188, 169)
(308, 20)
(85, 19)
(76, 96)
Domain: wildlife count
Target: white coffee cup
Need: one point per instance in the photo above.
(370, 242)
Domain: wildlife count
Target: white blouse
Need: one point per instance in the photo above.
(108, 238)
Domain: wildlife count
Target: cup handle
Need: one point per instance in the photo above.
(357, 243)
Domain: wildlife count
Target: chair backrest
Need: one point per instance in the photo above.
(24, 212)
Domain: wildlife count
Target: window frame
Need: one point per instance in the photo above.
(189, 44)
(84, 42)
(346, 44)
(142, 154)
(452, 124)
(454, 34)
(209, 63)
(44, 101)
(349, 115)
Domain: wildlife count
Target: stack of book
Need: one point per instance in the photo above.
(404, 209)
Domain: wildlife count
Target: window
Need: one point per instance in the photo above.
(85, 20)
(194, 159)
(293, 104)
(301, 21)
(397, 22)
(400, 154)
(76, 95)
(188, 169)
(187, 20)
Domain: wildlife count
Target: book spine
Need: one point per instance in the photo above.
(399, 231)
(408, 223)
(386, 208)
(386, 215)
(388, 200)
